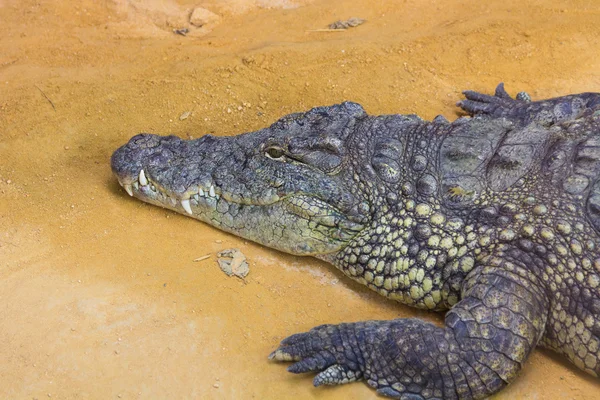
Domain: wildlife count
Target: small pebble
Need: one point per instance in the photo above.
(201, 16)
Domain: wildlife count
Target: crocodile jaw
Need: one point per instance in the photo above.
(292, 222)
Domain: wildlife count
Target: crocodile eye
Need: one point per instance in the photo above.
(275, 153)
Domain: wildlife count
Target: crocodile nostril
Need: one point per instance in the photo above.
(139, 139)
(145, 140)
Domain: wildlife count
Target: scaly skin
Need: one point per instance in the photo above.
(495, 218)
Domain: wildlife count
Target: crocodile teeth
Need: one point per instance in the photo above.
(186, 206)
(212, 191)
(142, 178)
(201, 192)
(128, 189)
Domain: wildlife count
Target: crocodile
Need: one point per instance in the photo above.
(493, 218)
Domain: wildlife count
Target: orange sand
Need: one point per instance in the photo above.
(99, 297)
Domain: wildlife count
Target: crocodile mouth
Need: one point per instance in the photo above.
(197, 195)
(147, 189)
(218, 207)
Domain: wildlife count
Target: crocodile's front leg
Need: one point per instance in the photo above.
(487, 337)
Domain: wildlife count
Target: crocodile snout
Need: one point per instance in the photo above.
(141, 149)
(173, 165)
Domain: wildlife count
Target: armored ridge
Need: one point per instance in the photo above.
(495, 218)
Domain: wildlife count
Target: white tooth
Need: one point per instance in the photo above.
(201, 192)
(142, 178)
(186, 206)
(128, 189)
(212, 191)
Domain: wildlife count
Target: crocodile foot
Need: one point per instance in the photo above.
(367, 351)
(499, 104)
(322, 350)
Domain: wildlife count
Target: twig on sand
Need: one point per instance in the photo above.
(47, 98)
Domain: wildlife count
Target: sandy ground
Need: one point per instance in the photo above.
(99, 296)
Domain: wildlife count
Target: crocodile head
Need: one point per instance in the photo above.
(290, 186)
